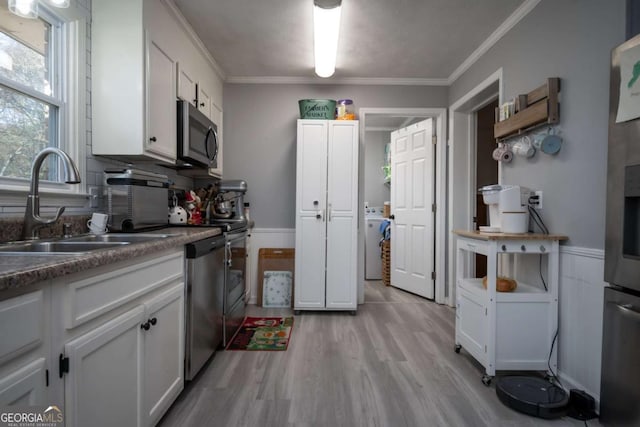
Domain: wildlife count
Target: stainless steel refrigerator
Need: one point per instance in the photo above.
(620, 381)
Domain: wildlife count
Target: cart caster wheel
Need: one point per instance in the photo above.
(550, 378)
(486, 380)
(296, 312)
(457, 348)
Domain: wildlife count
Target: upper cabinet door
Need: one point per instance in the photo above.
(161, 130)
(204, 101)
(186, 85)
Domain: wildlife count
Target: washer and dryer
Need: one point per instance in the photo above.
(372, 255)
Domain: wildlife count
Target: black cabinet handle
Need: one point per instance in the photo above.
(153, 139)
(202, 104)
(146, 326)
(318, 216)
(153, 321)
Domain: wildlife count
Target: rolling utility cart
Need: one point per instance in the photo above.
(507, 330)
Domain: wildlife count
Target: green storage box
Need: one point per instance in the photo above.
(322, 109)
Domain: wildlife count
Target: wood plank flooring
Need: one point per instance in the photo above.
(392, 364)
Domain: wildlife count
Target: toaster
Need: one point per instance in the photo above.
(136, 199)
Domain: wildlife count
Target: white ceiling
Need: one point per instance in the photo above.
(392, 39)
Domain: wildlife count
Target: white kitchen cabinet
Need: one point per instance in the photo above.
(187, 89)
(121, 335)
(511, 331)
(163, 361)
(326, 215)
(103, 386)
(134, 83)
(24, 349)
(194, 89)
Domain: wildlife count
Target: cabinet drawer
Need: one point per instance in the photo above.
(21, 324)
(91, 297)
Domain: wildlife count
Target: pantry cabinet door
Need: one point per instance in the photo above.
(311, 190)
(342, 215)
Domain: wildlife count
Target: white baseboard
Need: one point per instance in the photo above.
(265, 238)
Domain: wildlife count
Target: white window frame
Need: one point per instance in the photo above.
(71, 70)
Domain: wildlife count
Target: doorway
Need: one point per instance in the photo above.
(376, 125)
(461, 187)
(486, 170)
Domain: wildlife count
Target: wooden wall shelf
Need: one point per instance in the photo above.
(538, 107)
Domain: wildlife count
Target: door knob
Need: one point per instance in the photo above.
(153, 321)
(153, 139)
(146, 326)
(392, 217)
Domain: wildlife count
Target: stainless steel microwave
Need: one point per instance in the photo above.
(197, 137)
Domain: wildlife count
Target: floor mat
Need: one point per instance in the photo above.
(263, 333)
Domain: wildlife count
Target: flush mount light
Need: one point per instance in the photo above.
(326, 26)
(29, 8)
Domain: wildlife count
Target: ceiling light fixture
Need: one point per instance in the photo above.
(326, 27)
(29, 8)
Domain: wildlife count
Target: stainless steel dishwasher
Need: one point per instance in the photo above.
(205, 278)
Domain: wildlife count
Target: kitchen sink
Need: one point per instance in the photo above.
(79, 244)
(58, 247)
(119, 238)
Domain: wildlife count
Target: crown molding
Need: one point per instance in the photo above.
(337, 81)
(522, 11)
(173, 9)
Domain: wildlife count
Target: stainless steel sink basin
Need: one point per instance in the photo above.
(120, 238)
(79, 244)
(57, 247)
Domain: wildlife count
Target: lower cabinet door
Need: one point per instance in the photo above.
(26, 386)
(102, 387)
(163, 352)
(471, 325)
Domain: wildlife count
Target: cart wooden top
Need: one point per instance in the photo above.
(508, 236)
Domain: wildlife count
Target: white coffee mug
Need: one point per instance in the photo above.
(98, 223)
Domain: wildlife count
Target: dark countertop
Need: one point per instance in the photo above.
(18, 271)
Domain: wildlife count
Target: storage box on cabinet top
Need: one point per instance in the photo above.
(322, 109)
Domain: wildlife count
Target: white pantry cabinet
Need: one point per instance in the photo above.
(133, 82)
(326, 215)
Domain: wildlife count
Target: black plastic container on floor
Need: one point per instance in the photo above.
(533, 396)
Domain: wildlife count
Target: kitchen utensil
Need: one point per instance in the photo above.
(523, 148)
(177, 215)
(98, 223)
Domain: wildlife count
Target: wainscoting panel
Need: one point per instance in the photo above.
(580, 318)
(265, 238)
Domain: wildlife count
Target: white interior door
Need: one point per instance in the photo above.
(412, 197)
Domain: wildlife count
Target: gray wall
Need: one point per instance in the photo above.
(260, 136)
(375, 191)
(570, 39)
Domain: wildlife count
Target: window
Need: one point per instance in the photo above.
(29, 96)
(42, 93)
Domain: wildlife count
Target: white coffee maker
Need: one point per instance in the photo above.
(508, 208)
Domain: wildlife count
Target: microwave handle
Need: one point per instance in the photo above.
(211, 131)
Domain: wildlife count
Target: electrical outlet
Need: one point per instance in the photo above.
(93, 197)
(538, 203)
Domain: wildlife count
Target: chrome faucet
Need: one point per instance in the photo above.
(32, 220)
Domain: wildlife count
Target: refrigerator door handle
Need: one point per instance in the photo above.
(627, 310)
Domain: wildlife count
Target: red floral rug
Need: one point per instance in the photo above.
(262, 333)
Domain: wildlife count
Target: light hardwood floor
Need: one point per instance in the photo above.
(392, 364)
